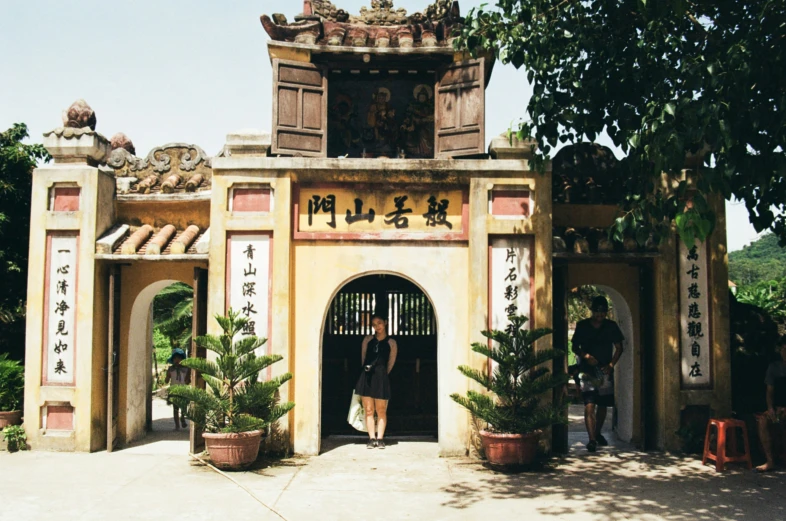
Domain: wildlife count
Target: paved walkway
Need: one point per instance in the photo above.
(406, 481)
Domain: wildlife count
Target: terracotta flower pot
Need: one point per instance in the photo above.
(233, 450)
(10, 418)
(510, 449)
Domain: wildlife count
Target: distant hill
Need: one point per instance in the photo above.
(759, 261)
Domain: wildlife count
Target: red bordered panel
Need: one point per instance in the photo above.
(59, 324)
(384, 235)
(249, 301)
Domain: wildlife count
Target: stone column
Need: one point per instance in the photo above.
(72, 204)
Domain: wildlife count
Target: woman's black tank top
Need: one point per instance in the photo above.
(377, 352)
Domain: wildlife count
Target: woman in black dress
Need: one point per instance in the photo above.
(378, 356)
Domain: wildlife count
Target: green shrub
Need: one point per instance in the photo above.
(15, 437)
(234, 400)
(518, 383)
(12, 384)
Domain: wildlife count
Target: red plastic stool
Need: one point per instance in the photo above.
(726, 427)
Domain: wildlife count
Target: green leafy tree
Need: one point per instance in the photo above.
(17, 161)
(235, 400)
(12, 384)
(769, 296)
(173, 311)
(519, 381)
(662, 79)
(760, 261)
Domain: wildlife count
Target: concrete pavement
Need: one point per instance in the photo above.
(406, 481)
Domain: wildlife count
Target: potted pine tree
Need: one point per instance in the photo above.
(12, 390)
(514, 412)
(237, 407)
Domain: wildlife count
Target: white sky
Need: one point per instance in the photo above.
(192, 71)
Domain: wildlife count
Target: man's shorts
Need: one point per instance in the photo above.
(596, 398)
(598, 390)
(780, 412)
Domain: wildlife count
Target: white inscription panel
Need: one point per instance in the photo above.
(249, 281)
(510, 272)
(61, 324)
(695, 338)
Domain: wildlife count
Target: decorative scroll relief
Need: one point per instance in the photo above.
(61, 312)
(695, 341)
(249, 281)
(510, 269)
(371, 210)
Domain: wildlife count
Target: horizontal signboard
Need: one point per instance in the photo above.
(385, 212)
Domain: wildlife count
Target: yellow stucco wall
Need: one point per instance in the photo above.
(306, 274)
(95, 215)
(439, 269)
(160, 212)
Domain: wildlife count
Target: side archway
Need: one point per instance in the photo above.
(624, 373)
(138, 381)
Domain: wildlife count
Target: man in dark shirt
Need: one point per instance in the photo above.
(775, 380)
(597, 343)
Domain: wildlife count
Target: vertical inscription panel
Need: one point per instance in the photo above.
(695, 338)
(510, 280)
(60, 311)
(248, 281)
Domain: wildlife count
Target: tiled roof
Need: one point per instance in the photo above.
(146, 242)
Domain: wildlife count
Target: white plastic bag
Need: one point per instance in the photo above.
(357, 415)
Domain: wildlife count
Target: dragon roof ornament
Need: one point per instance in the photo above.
(381, 25)
(381, 12)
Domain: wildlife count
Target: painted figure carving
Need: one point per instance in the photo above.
(381, 117)
(418, 124)
(343, 124)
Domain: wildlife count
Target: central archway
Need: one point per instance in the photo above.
(413, 408)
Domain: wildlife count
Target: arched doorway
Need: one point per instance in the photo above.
(412, 322)
(130, 402)
(624, 373)
(619, 312)
(146, 411)
(627, 287)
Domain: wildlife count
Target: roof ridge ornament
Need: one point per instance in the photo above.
(381, 12)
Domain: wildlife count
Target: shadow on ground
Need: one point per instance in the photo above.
(628, 485)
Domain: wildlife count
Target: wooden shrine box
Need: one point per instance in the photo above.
(358, 89)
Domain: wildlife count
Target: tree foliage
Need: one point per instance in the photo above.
(580, 302)
(760, 261)
(662, 79)
(12, 384)
(769, 296)
(235, 398)
(17, 161)
(517, 384)
(173, 311)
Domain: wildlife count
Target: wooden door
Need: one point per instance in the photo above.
(198, 328)
(460, 110)
(299, 109)
(559, 433)
(646, 383)
(113, 358)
